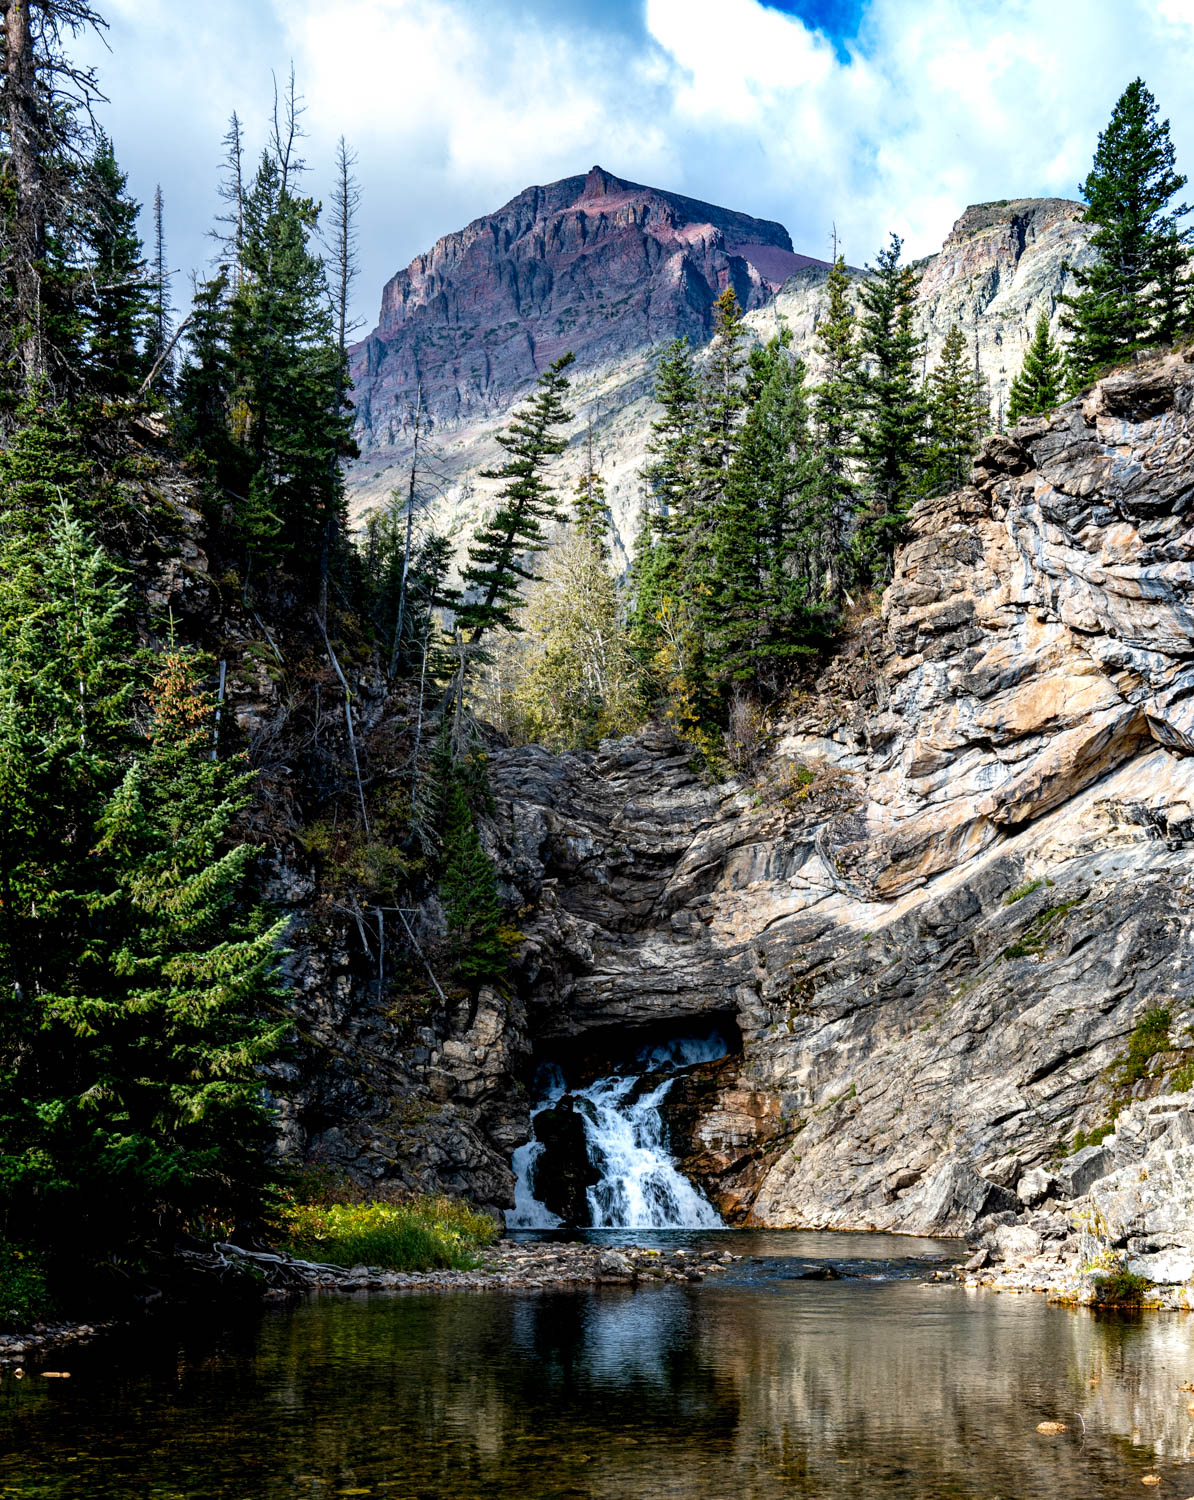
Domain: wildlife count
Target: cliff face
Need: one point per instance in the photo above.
(1001, 265)
(943, 903)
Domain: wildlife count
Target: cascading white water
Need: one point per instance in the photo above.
(639, 1187)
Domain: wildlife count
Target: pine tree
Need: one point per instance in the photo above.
(773, 545)
(161, 324)
(119, 299)
(669, 481)
(46, 104)
(1126, 299)
(481, 951)
(1037, 389)
(958, 416)
(836, 402)
(892, 437)
(43, 464)
(288, 374)
(499, 554)
(589, 504)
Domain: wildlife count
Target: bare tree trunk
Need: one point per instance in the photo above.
(352, 739)
(29, 218)
(410, 526)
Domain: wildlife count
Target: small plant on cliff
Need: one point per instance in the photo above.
(1037, 389)
(1149, 1036)
(1120, 1287)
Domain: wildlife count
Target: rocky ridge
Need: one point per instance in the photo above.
(959, 880)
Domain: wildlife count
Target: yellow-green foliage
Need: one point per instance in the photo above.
(566, 678)
(419, 1235)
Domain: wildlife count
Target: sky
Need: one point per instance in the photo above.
(866, 116)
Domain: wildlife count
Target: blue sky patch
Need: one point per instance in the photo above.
(838, 19)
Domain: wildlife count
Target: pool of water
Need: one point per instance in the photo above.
(764, 1384)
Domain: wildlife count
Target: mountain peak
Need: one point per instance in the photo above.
(597, 265)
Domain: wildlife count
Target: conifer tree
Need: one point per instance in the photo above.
(500, 551)
(958, 416)
(119, 296)
(892, 438)
(836, 401)
(46, 101)
(1127, 298)
(1037, 389)
(43, 464)
(772, 547)
(130, 1038)
(669, 482)
(161, 327)
(481, 952)
(588, 504)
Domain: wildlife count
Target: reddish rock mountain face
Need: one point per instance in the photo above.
(592, 264)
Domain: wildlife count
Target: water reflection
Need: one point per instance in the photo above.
(755, 1387)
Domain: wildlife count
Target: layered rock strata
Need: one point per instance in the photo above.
(963, 873)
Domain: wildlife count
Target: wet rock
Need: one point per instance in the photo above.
(563, 1173)
(614, 1263)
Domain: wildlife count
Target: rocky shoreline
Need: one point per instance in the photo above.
(505, 1265)
(1113, 1223)
(519, 1265)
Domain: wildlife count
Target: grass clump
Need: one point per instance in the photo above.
(422, 1234)
(1149, 1036)
(1021, 891)
(1121, 1287)
(24, 1297)
(1043, 930)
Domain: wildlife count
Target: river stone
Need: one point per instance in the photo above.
(614, 1263)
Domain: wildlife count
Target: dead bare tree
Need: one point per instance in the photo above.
(46, 104)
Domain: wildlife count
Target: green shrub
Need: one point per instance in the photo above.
(1121, 1287)
(1043, 929)
(1149, 1036)
(24, 1297)
(1021, 891)
(1183, 1079)
(420, 1235)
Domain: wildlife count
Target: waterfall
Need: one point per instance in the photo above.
(638, 1186)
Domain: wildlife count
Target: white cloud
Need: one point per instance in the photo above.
(455, 105)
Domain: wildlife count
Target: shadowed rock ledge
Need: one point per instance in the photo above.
(939, 941)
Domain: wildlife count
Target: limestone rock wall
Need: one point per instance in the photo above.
(942, 903)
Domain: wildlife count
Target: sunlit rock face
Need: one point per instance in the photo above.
(938, 942)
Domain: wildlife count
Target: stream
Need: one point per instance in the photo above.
(636, 1183)
(764, 1384)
